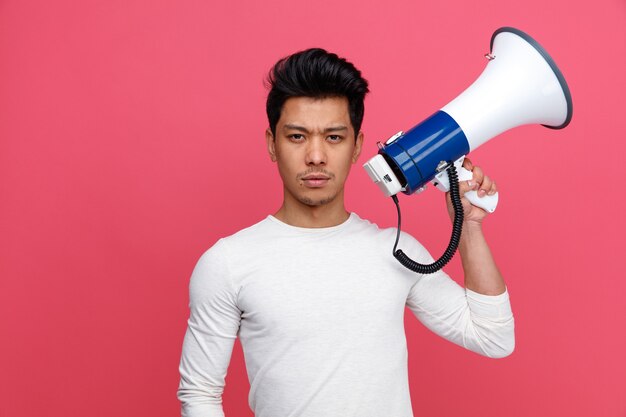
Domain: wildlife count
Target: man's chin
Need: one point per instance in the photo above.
(316, 202)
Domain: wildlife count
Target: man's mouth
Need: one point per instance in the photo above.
(316, 177)
(315, 180)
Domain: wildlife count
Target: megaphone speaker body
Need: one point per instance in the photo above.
(520, 85)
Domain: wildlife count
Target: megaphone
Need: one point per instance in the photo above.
(520, 85)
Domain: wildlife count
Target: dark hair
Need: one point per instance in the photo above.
(318, 74)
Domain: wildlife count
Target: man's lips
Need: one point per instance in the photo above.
(316, 177)
(315, 180)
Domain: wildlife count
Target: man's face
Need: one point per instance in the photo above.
(314, 148)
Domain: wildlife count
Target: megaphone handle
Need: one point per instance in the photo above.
(487, 202)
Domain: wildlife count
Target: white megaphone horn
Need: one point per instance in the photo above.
(520, 85)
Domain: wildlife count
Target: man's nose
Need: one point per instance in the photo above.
(316, 152)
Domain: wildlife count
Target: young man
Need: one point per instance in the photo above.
(312, 291)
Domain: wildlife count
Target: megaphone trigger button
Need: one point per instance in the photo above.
(442, 166)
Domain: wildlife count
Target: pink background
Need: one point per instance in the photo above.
(131, 139)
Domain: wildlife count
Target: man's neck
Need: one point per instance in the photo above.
(301, 215)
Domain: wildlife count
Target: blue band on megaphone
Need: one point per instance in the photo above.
(418, 153)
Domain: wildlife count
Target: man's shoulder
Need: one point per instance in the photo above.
(242, 241)
(367, 226)
(387, 235)
(258, 230)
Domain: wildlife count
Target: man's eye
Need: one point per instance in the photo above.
(334, 138)
(296, 137)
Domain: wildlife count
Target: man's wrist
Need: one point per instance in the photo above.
(471, 230)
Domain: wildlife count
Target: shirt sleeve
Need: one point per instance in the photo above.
(211, 332)
(481, 323)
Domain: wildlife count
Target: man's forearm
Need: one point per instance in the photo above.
(481, 272)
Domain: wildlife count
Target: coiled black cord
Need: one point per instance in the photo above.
(457, 228)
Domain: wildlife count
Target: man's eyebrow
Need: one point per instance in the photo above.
(339, 128)
(290, 126)
(299, 128)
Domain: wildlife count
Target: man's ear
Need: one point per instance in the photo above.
(271, 144)
(357, 147)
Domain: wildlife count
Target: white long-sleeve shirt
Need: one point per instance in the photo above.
(319, 313)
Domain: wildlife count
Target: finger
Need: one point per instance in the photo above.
(465, 186)
(467, 164)
(485, 186)
(493, 190)
(478, 175)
